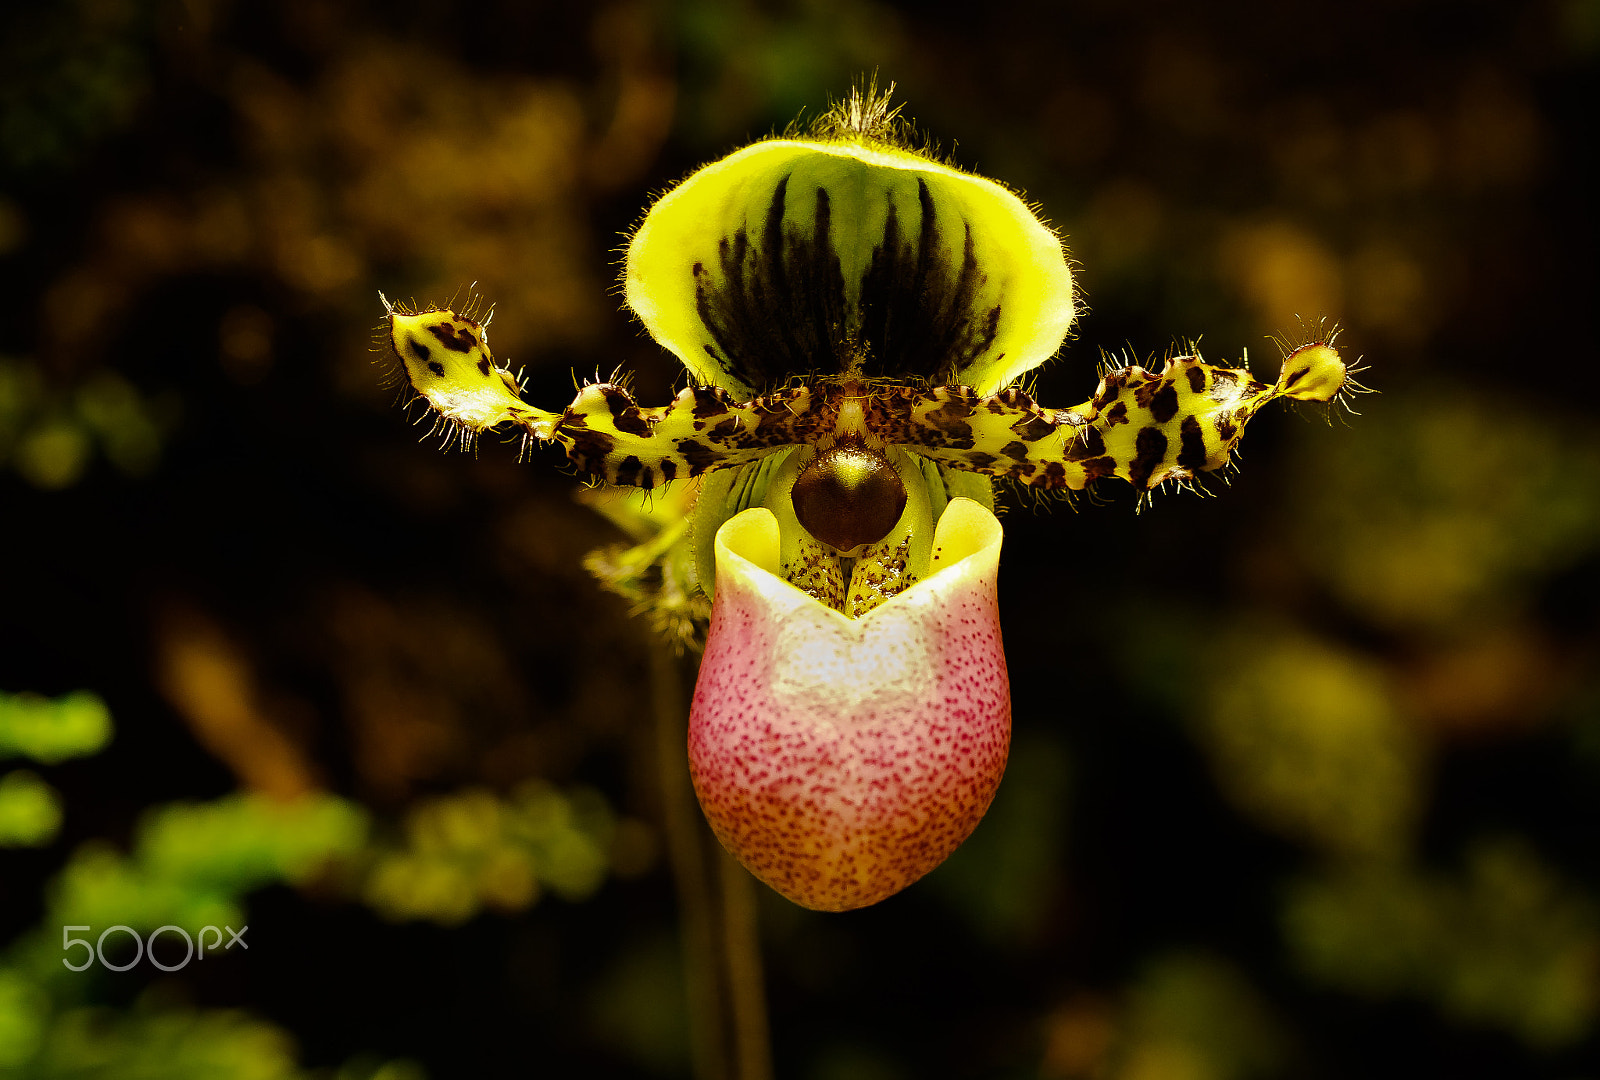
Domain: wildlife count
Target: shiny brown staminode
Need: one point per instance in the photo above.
(849, 497)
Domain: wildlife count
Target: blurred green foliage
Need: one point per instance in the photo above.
(639, 1005)
(1195, 1016)
(1306, 738)
(162, 1042)
(471, 850)
(760, 61)
(1004, 878)
(69, 73)
(1507, 942)
(192, 863)
(49, 436)
(50, 731)
(157, 1042)
(30, 810)
(1446, 509)
(191, 866)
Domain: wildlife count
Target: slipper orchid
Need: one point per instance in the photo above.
(853, 315)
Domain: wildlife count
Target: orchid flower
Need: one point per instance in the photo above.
(854, 316)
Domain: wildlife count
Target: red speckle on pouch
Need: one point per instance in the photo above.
(839, 792)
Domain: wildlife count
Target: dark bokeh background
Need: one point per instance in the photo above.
(1306, 778)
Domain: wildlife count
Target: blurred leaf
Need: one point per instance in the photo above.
(1445, 511)
(100, 887)
(1510, 944)
(30, 810)
(175, 1044)
(639, 1005)
(241, 842)
(193, 862)
(53, 454)
(50, 731)
(1004, 876)
(1192, 1016)
(51, 433)
(127, 427)
(24, 1014)
(473, 849)
(69, 73)
(1305, 737)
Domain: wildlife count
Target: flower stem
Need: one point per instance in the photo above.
(747, 995)
(728, 1030)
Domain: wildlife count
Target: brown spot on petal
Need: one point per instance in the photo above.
(1149, 448)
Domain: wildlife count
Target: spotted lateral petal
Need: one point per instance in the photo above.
(607, 435)
(1144, 427)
